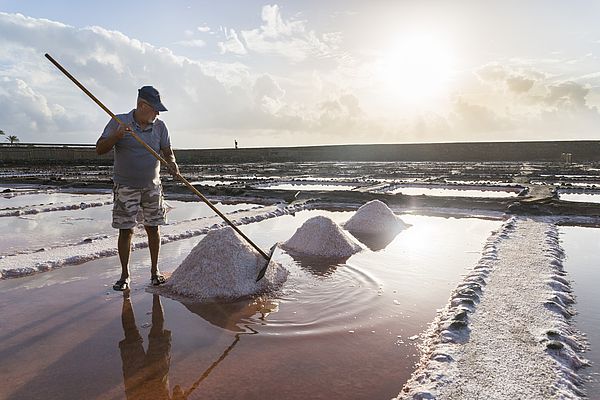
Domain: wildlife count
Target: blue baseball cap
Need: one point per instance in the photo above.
(151, 95)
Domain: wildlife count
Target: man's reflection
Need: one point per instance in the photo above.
(146, 373)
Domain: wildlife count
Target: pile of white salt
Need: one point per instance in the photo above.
(374, 217)
(321, 236)
(223, 266)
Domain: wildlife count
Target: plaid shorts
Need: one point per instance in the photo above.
(128, 201)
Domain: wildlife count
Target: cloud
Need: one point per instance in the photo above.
(516, 80)
(492, 73)
(268, 94)
(534, 106)
(232, 43)
(287, 38)
(568, 98)
(567, 94)
(192, 43)
(113, 66)
(475, 118)
(557, 124)
(24, 111)
(204, 98)
(549, 95)
(519, 84)
(341, 115)
(275, 26)
(203, 29)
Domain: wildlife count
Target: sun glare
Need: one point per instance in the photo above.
(416, 68)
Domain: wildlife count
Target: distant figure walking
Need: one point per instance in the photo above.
(136, 177)
(235, 141)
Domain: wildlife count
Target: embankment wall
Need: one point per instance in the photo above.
(581, 151)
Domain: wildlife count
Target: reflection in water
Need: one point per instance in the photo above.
(146, 373)
(229, 315)
(318, 265)
(378, 241)
(214, 365)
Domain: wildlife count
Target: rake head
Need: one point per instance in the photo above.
(261, 273)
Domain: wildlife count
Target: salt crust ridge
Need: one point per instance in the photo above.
(19, 265)
(222, 266)
(444, 344)
(36, 209)
(391, 186)
(321, 236)
(374, 217)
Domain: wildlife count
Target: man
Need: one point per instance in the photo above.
(136, 177)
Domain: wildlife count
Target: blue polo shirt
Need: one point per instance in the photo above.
(134, 166)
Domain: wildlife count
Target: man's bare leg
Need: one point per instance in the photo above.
(154, 246)
(124, 246)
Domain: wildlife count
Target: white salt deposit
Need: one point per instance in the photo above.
(321, 236)
(505, 333)
(223, 266)
(17, 211)
(374, 217)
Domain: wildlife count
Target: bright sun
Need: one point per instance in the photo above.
(416, 69)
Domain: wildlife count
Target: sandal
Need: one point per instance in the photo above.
(157, 280)
(121, 285)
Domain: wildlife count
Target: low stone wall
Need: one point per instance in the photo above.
(31, 154)
(581, 151)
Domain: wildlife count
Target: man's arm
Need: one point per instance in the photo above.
(105, 144)
(169, 157)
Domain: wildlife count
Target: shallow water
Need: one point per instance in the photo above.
(580, 197)
(185, 210)
(211, 182)
(582, 248)
(50, 229)
(309, 186)
(416, 191)
(339, 330)
(13, 200)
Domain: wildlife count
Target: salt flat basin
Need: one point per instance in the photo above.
(309, 186)
(10, 200)
(582, 247)
(50, 229)
(341, 330)
(579, 197)
(436, 191)
(16, 189)
(211, 182)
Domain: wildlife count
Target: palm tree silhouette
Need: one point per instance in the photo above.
(12, 138)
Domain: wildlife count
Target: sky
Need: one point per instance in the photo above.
(296, 73)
